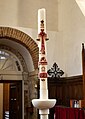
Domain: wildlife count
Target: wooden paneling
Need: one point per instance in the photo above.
(6, 96)
(64, 89)
(1, 101)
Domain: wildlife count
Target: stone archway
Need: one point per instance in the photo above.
(22, 38)
(29, 82)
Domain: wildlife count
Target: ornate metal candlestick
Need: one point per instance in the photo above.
(43, 104)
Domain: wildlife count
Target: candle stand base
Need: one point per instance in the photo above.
(43, 105)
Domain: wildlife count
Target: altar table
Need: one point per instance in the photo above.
(69, 113)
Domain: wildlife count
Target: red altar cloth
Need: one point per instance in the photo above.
(69, 113)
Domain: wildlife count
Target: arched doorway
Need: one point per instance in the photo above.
(10, 85)
(23, 39)
(13, 41)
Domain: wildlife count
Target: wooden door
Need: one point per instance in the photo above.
(5, 100)
(12, 99)
(15, 105)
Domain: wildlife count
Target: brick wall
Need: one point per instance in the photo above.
(30, 91)
(22, 38)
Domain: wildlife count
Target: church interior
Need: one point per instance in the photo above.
(19, 58)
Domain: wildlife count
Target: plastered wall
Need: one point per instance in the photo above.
(65, 29)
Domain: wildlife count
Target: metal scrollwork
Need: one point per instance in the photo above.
(55, 72)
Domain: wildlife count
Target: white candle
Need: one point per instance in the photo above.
(41, 16)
